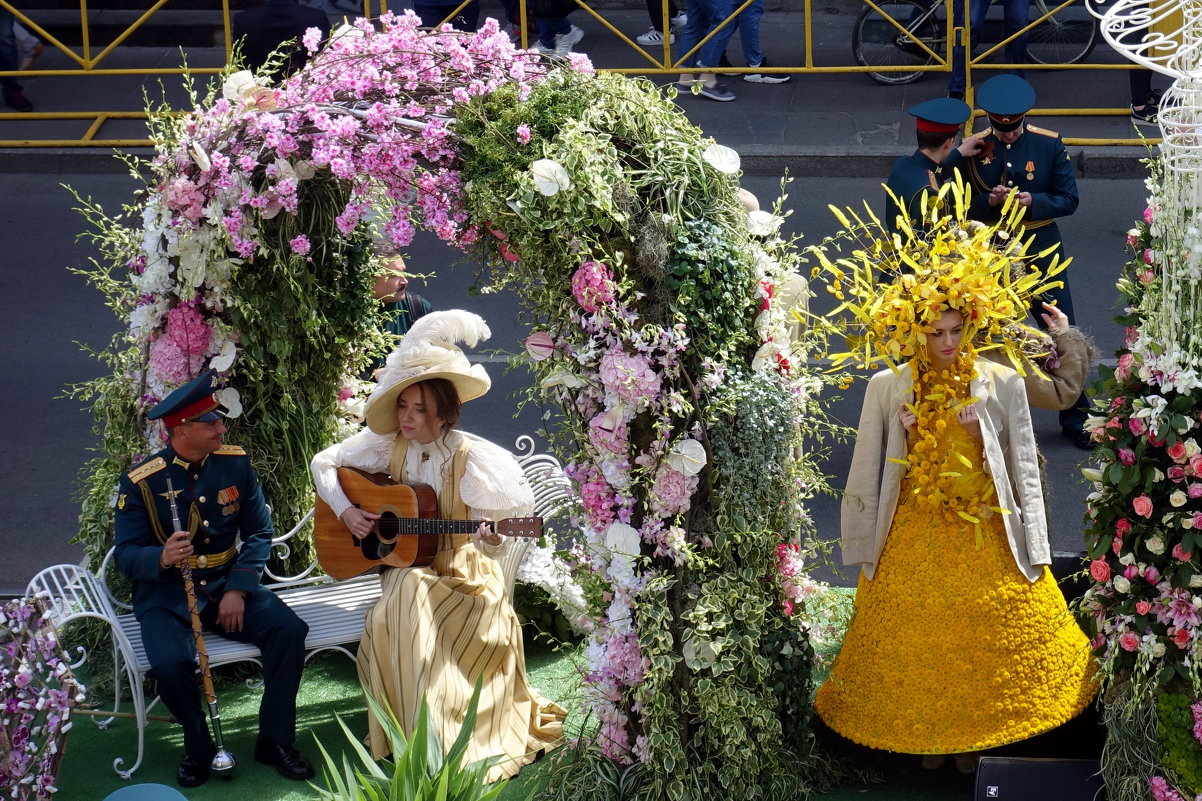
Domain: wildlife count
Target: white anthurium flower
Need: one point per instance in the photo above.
(224, 358)
(622, 539)
(238, 85)
(346, 29)
(688, 457)
(201, 157)
(763, 223)
(550, 178)
(722, 158)
(231, 400)
(562, 378)
(612, 421)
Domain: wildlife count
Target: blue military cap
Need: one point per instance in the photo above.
(1006, 98)
(200, 400)
(942, 115)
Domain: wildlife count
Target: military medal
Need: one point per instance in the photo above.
(1030, 170)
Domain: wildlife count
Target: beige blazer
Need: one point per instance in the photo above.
(1062, 386)
(873, 483)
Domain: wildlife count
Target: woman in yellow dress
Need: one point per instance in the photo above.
(961, 640)
(436, 629)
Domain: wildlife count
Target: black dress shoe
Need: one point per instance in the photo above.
(290, 763)
(1080, 438)
(192, 773)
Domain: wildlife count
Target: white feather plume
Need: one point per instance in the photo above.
(431, 342)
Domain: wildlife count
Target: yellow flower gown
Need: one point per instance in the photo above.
(951, 648)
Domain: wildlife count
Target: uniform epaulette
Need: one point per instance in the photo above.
(230, 450)
(1035, 129)
(147, 469)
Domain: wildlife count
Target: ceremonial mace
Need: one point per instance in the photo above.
(223, 761)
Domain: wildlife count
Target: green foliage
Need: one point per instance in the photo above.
(418, 769)
(710, 280)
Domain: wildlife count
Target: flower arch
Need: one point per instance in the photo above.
(661, 328)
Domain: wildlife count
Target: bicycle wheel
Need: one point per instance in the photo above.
(1066, 38)
(877, 42)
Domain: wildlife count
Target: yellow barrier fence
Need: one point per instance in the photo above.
(893, 42)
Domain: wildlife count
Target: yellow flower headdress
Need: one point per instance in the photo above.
(897, 285)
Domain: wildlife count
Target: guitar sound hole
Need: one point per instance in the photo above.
(372, 546)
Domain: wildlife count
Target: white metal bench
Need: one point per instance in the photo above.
(334, 610)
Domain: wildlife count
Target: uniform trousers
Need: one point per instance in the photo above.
(268, 624)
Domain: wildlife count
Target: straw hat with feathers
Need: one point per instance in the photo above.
(430, 350)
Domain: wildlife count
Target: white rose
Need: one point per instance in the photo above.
(550, 178)
(1122, 584)
(1157, 475)
(1195, 581)
(238, 85)
(1192, 448)
(1157, 649)
(1127, 559)
(1154, 544)
(688, 457)
(1178, 498)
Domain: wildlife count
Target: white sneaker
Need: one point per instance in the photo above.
(565, 41)
(679, 21)
(654, 37)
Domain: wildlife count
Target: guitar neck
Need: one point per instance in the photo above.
(428, 525)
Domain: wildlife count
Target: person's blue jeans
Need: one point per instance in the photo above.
(1016, 12)
(432, 15)
(550, 27)
(749, 32)
(8, 52)
(704, 16)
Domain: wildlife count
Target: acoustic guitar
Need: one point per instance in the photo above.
(406, 535)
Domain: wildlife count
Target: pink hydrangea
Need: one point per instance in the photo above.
(606, 439)
(672, 492)
(593, 286)
(628, 376)
(179, 352)
(1160, 789)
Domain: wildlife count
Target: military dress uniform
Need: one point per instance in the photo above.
(1036, 162)
(915, 176)
(220, 502)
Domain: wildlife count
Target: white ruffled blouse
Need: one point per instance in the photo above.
(493, 484)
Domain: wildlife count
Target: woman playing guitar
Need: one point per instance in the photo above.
(437, 628)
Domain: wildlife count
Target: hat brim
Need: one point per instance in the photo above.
(381, 408)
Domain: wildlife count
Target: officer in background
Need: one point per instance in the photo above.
(1032, 164)
(220, 506)
(264, 29)
(937, 122)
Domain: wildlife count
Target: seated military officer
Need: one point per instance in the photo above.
(220, 505)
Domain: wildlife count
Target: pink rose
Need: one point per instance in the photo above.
(1181, 638)
(1126, 361)
(1198, 520)
(1130, 572)
(1132, 240)
(1137, 426)
(1100, 570)
(1176, 451)
(540, 345)
(1148, 215)
(1126, 456)
(1142, 506)
(1151, 573)
(1175, 473)
(1181, 553)
(1129, 641)
(1142, 607)
(1122, 526)
(344, 394)
(1195, 464)
(1116, 545)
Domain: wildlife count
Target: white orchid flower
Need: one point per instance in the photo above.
(688, 457)
(622, 539)
(763, 223)
(562, 378)
(238, 85)
(722, 158)
(550, 178)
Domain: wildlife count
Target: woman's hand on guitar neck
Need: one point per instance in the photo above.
(359, 522)
(486, 534)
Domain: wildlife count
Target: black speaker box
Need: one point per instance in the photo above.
(1018, 779)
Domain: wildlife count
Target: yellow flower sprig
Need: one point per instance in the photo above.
(895, 286)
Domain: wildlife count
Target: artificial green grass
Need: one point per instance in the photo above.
(330, 688)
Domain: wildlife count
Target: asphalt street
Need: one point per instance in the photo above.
(52, 314)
